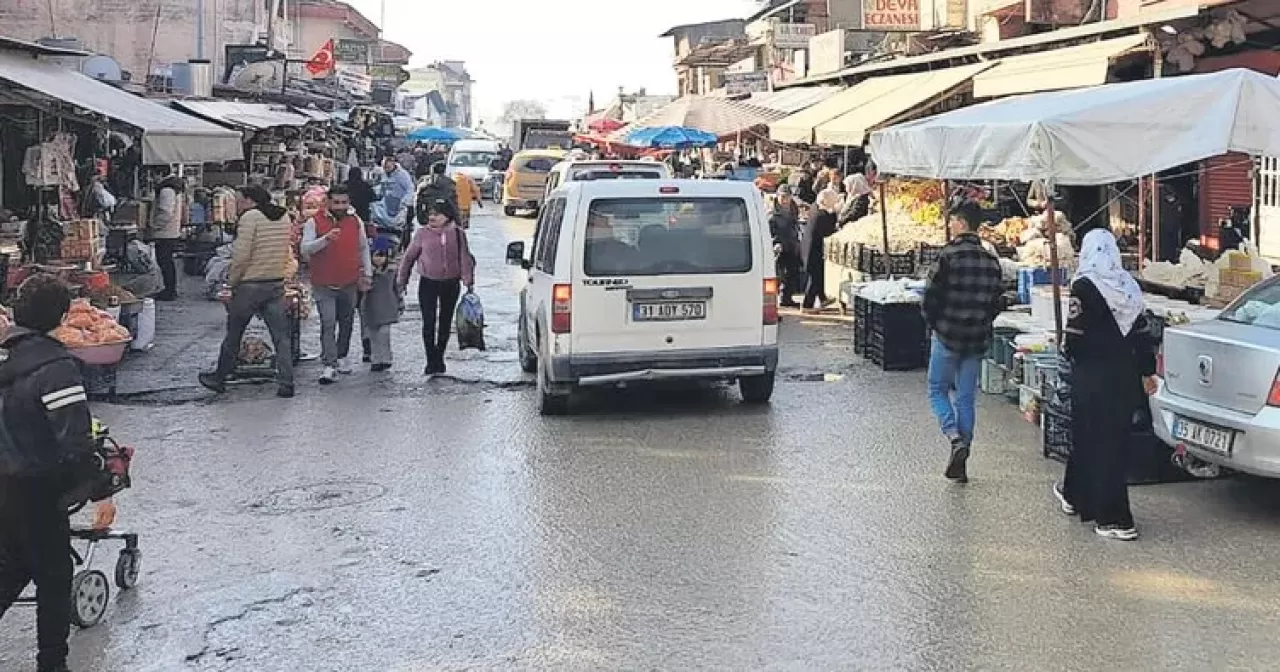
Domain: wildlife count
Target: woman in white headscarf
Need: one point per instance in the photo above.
(857, 198)
(1112, 358)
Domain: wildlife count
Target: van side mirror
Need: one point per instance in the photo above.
(515, 255)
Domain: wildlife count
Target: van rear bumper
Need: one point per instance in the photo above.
(626, 367)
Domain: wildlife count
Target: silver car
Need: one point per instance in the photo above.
(1220, 398)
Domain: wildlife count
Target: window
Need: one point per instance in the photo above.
(553, 182)
(471, 159)
(536, 164)
(1259, 306)
(659, 236)
(549, 223)
(606, 174)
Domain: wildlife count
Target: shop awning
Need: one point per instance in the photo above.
(718, 116)
(883, 100)
(1095, 135)
(168, 136)
(1067, 68)
(251, 116)
(798, 128)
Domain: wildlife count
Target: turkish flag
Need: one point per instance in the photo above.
(322, 62)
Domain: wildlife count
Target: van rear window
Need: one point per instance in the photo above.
(606, 174)
(536, 164)
(663, 236)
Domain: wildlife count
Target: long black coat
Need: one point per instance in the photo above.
(821, 225)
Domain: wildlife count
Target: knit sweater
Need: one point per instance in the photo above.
(261, 250)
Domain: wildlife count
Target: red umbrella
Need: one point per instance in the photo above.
(605, 125)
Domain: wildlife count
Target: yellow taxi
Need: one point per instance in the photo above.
(526, 180)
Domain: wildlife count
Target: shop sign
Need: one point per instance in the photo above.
(745, 65)
(354, 81)
(891, 15)
(826, 52)
(739, 83)
(793, 35)
(392, 74)
(351, 51)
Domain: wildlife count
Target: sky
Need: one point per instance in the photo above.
(555, 51)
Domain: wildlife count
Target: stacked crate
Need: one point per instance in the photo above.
(80, 240)
(896, 336)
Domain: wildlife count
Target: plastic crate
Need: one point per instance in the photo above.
(872, 262)
(896, 337)
(897, 360)
(99, 380)
(861, 324)
(1055, 435)
(926, 256)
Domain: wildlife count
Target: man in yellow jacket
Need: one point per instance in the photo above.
(468, 193)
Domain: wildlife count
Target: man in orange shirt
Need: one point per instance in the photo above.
(468, 193)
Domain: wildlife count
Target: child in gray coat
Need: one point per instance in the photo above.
(381, 306)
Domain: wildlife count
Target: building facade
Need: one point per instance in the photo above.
(452, 81)
(147, 36)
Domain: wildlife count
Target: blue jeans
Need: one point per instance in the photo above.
(953, 389)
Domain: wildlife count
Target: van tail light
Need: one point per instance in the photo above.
(1273, 399)
(1160, 364)
(770, 307)
(561, 309)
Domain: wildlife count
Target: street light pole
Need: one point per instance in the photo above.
(199, 30)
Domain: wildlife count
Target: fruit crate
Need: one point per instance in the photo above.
(871, 262)
(926, 256)
(896, 336)
(861, 324)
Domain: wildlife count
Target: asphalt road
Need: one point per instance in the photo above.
(402, 524)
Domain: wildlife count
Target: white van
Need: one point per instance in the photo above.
(472, 158)
(575, 170)
(633, 281)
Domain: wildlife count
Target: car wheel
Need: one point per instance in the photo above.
(528, 358)
(508, 211)
(549, 402)
(756, 389)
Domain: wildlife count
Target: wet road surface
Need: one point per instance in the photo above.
(400, 524)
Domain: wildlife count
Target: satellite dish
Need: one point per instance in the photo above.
(261, 76)
(102, 67)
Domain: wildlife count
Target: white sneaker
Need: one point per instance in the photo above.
(329, 376)
(1116, 532)
(344, 367)
(1067, 508)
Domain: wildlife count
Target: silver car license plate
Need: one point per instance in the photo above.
(1204, 436)
(667, 311)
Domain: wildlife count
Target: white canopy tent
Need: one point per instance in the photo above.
(1091, 136)
(1096, 135)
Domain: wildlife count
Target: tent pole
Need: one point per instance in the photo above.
(1142, 221)
(884, 226)
(1052, 224)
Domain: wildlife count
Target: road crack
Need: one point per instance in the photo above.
(245, 611)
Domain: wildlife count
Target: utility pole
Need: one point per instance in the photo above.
(199, 30)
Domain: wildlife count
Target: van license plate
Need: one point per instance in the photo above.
(669, 311)
(1204, 436)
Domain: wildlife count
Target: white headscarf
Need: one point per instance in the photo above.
(829, 199)
(1100, 263)
(856, 186)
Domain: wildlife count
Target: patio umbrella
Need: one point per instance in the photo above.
(670, 137)
(432, 134)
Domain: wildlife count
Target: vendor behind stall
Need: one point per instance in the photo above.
(165, 230)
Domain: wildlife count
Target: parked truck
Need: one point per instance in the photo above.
(541, 134)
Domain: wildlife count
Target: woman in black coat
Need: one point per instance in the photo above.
(822, 223)
(1113, 362)
(362, 195)
(784, 228)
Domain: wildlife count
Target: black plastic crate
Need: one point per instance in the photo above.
(872, 262)
(926, 256)
(897, 361)
(861, 324)
(1055, 435)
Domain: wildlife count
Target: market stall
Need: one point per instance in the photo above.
(1090, 136)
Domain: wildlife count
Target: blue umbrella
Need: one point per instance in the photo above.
(670, 137)
(432, 134)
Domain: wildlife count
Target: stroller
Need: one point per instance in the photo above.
(90, 591)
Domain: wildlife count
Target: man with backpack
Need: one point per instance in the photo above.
(436, 187)
(46, 454)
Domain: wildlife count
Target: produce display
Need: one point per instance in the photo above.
(110, 294)
(1190, 271)
(905, 233)
(85, 326)
(1007, 233)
